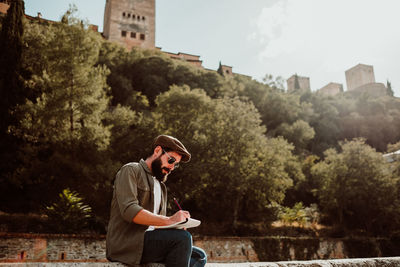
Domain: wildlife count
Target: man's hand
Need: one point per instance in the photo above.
(146, 217)
(179, 216)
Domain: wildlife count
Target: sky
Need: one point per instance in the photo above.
(319, 39)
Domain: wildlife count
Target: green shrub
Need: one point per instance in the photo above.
(69, 214)
(303, 216)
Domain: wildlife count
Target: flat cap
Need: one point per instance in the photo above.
(167, 141)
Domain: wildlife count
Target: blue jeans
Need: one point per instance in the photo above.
(173, 247)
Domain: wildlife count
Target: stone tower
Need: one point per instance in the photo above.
(359, 75)
(224, 70)
(302, 83)
(130, 22)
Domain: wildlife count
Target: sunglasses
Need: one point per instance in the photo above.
(171, 160)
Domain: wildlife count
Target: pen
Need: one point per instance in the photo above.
(176, 202)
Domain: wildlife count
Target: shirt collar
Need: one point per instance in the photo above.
(144, 165)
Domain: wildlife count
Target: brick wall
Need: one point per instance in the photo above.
(49, 248)
(80, 248)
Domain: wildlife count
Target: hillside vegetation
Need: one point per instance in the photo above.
(76, 108)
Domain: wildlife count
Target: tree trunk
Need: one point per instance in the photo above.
(71, 110)
(236, 207)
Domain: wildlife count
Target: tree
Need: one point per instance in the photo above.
(120, 62)
(304, 189)
(296, 82)
(12, 92)
(377, 120)
(389, 88)
(232, 158)
(278, 108)
(324, 119)
(73, 96)
(11, 85)
(274, 83)
(63, 129)
(300, 133)
(358, 192)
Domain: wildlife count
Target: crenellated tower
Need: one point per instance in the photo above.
(130, 22)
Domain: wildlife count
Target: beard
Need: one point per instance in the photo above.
(157, 170)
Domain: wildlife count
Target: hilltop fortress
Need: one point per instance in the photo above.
(131, 23)
(359, 79)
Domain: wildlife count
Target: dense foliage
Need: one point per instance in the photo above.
(84, 106)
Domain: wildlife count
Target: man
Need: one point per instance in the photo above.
(139, 205)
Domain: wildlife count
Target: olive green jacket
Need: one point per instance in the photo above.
(133, 191)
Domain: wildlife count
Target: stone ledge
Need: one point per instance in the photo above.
(72, 264)
(370, 262)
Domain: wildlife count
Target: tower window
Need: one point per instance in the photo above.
(142, 36)
(123, 33)
(143, 18)
(129, 15)
(134, 16)
(133, 34)
(123, 14)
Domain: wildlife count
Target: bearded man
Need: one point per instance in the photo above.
(139, 205)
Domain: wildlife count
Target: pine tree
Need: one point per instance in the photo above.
(11, 94)
(11, 85)
(296, 82)
(63, 129)
(11, 89)
(73, 89)
(389, 89)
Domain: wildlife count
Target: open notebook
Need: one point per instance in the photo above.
(187, 223)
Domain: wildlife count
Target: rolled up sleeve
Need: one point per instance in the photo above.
(126, 193)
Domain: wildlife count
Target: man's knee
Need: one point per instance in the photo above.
(184, 237)
(182, 240)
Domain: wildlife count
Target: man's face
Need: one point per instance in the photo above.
(160, 166)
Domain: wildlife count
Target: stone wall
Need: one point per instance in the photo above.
(74, 248)
(371, 89)
(371, 262)
(331, 89)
